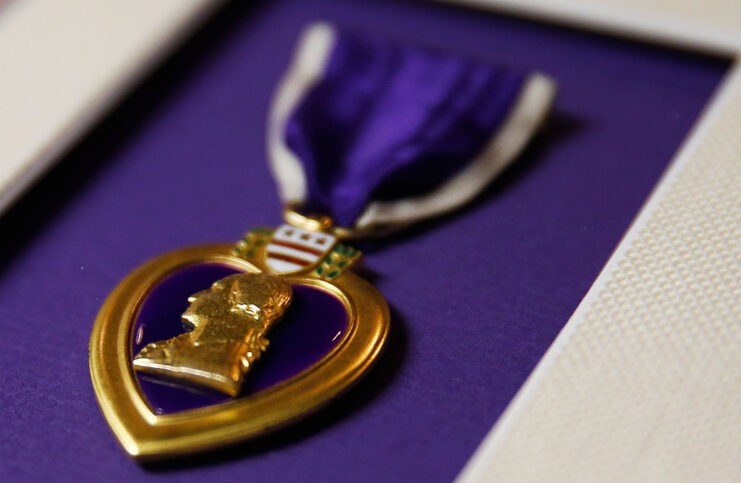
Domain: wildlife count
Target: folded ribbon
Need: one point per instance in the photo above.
(379, 134)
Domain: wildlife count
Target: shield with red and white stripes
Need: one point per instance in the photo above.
(293, 249)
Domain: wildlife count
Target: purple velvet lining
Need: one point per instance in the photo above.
(390, 120)
(312, 327)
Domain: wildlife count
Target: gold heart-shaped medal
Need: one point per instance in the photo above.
(211, 345)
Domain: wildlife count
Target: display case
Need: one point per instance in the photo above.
(502, 314)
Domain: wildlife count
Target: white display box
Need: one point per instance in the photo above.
(644, 381)
(66, 64)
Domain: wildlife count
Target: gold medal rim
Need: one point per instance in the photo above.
(147, 436)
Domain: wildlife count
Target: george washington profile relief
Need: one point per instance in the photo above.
(229, 322)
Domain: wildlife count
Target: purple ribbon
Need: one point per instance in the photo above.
(388, 120)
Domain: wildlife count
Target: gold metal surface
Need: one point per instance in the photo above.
(252, 241)
(229, 322)
(341, 258)
(292, 215)
(146, 435)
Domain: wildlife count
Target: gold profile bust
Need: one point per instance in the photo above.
(229, 322)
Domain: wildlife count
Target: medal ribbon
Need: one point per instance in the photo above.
(379, 134)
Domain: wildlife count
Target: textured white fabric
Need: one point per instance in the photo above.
(705, 25)
(644, 383)
(55, 83)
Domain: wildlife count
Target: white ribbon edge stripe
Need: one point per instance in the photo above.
(529, 111)
(306, 69)
(507, 142)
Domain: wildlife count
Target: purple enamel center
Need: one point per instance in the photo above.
(312, 327)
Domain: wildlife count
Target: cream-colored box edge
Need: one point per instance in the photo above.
(65, 64)
(644, 381)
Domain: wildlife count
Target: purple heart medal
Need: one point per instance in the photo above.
(372, 136)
